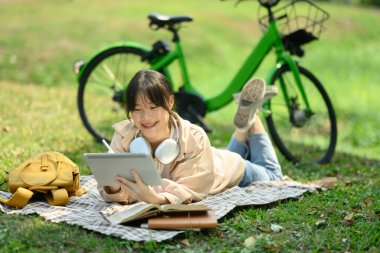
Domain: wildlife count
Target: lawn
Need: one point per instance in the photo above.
(41, 39)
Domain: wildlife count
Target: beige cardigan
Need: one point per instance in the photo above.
(199, 169)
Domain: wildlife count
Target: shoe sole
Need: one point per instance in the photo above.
(250, 98)
(270, 91)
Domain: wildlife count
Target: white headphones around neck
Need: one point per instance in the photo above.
(165, 153)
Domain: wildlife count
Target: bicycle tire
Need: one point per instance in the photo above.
(100, 87)
(315, 139)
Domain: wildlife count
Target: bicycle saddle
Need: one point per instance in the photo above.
(164, 20)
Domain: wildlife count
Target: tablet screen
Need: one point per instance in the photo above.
(106, 166)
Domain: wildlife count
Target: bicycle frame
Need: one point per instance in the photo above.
(271, 38)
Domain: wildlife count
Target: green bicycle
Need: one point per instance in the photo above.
(301, 121)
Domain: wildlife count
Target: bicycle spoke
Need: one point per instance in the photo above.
(121, 68)
(111, 75)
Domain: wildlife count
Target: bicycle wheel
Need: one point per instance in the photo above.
(299, 135)
(101, 87)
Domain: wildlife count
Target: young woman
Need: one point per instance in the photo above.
(192, 168)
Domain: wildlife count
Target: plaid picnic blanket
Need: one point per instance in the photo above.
(88, 210)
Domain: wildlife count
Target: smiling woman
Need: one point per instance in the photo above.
(189, 167)
(149, 103)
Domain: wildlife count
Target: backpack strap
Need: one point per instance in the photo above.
(79, 192)
(58, 197)
(19, 199)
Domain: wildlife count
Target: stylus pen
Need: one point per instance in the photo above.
(108, 146)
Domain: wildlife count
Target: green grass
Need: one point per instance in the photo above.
(41, 39)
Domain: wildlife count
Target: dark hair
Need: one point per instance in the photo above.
(152, 84)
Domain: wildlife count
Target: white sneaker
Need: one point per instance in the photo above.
(270, 91)
(251, 98)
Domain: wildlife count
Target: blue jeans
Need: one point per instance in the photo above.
(261, 163)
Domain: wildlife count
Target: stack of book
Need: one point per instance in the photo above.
(171, 216)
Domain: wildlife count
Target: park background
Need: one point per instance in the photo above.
(40, 40)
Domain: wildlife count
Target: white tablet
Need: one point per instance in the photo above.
(106, 166)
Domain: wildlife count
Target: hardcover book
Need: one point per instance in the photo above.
(189, 220)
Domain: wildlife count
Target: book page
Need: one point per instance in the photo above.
(134, 213)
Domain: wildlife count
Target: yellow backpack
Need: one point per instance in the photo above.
(50, 173)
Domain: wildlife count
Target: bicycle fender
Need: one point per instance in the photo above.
(113, 45)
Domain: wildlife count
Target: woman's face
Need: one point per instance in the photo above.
(152, 120)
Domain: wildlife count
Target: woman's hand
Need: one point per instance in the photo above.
(112, 189)
(141, 191)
